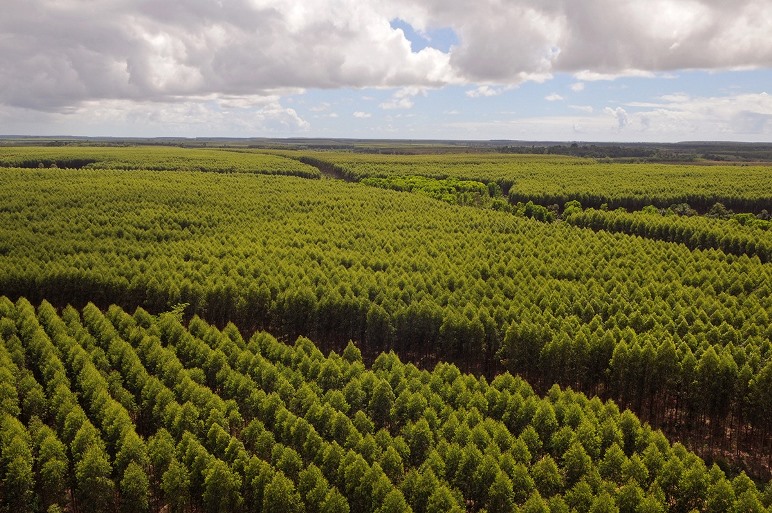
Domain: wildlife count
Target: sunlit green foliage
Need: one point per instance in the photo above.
(739, 234)
(157, 158)
(678, 332)
(340, 261)
(552, 179)
(450, 190)
(265, 436)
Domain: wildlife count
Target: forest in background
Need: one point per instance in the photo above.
(694, 152)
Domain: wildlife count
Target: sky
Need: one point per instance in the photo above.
(532, 70)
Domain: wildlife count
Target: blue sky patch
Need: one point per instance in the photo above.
(440, 38)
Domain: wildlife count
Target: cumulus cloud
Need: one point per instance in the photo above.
(233, 117)
(362, 115)
(598, 39)
(620, 114)
(746, 117)
(58, 55)
(595, 76)
(55, 54)
(749, 115)
(554, 97)
(484, 90)
(675, 117)
(403, 98)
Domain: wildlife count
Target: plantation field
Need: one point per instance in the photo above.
(156, 158)
(456, 262)
(150, 414)
(553, 179)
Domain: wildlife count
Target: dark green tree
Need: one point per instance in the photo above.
(381, 403)
(501, 495)
(175, 484)
(442, 501)
(334, 502)
(604, 503)
(535, 504)
(18, 485)
(720, 497)
(95, 489)
(576, 462)
(394, 502)
(135, 489)
(580, 496)
(522, 483)
(281, 496)
(546, 476)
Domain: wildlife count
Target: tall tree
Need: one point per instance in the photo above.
(442, 501)
(95, 489)
(135, 489)
(281, 496)
(222, 488)
(381, 403)
(175, 484)
(501, 495)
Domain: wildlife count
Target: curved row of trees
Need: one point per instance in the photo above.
(228, 424)
(742, 235)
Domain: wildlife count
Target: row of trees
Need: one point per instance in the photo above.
(271, 427)
(709, 395)
(741, 235)
(84, 470)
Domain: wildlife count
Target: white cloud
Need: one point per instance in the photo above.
(594, 76)
(749, 115)
(583, 108)
(191, 118)
(577, 87)
(403, 98)
(746, 117)
(52, 57)
(484, 90)
(598, 39)
(554, 97)
(362, 115)
(675, 98)
(405, 102)
(669, 118)
(322, 107)
(620, 114)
